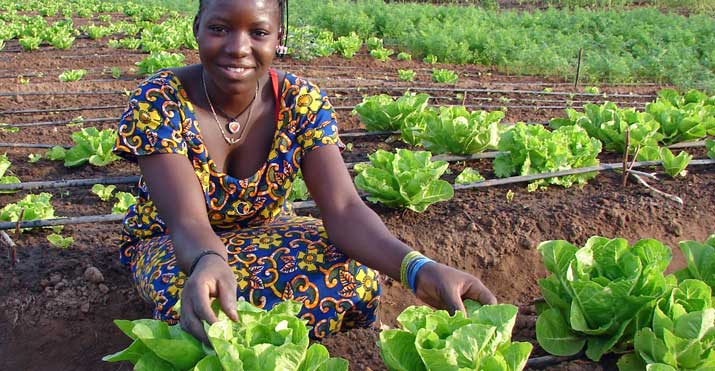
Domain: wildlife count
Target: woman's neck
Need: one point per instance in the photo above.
(234, 104)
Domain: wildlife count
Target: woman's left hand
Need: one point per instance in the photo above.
(444, 287)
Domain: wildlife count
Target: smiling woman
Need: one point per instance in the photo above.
(220, 144)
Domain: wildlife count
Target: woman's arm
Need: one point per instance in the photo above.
(359, 233)
(177, 194)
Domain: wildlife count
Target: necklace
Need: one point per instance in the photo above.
(233, 126)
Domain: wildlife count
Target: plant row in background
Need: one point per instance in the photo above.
(672, 118)
(657, 47)
(619, 46)
(145, 31)
(610, 297)
(410, 179)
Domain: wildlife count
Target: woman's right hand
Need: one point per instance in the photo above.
(212, 278)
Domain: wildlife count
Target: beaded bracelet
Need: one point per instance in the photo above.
(198, 257)
(409, 258)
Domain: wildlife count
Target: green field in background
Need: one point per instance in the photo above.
(185, 6)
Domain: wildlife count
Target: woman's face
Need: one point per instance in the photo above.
(237, 41)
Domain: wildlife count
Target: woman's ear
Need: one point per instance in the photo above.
(196, 27)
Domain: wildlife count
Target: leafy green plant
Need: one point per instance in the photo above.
(299, 190)
(157, 61)
(116, 72)
(468, 175)
(374, 43)
(32, 207)
(347, 46)
(382, 54)
(124, 201)
(34, 157)
(58, 241)
(2, 44)
(90, 145)
(592, 90)
(430, 59)
(103, 192)
(710, 145)
(675, 165)
(446, 76)
(456, 130)
(4, 167)
(406, 75)
(56, 153)
(531, 149)
(260, 340)
(403, 179)
(308, 42)
(610, 124)
(62, 40)
(382, 113)
(683, 117)
(403, 56)
(434, 340)
(72, 75)
(599, 295)
(29, 43)
(701, 261)
(682, 333)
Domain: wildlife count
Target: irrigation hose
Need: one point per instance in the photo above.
(311, 204)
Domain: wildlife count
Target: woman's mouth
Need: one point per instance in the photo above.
(237, 72)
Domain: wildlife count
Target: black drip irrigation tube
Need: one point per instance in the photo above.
(59, 123)
(68, 109)
(334, 99)
(65, 183)
(382, 88)
(311, 204)
(337, 108)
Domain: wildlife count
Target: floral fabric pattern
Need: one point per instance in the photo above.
(275, 257)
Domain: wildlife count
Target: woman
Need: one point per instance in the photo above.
(219, 145)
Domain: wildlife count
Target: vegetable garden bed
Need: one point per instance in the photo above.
(57, 305)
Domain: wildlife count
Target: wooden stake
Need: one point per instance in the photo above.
(12, 248)
(578, 67)
(625, 157)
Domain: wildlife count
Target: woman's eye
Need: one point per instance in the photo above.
(217, 28)
(260, 33)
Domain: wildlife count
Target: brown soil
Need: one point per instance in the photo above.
(57, 306)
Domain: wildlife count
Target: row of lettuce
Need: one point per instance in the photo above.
(641, 44)
(607, 297)
(411, 179)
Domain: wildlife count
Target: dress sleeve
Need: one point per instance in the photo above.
(319, 126)
(153, 123)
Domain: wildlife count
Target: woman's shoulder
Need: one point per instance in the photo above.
(166, 83)
(299, 84)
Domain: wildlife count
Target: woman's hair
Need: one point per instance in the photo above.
(282, 6)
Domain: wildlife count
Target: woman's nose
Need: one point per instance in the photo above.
(239, 44)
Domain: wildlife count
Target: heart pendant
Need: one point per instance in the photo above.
(234, 127)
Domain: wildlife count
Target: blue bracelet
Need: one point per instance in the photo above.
(413, 269)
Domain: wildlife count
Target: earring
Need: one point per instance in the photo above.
(281, 51)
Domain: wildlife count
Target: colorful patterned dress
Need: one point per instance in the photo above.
(274, 256)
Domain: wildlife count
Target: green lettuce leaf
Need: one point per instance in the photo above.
(403, 179)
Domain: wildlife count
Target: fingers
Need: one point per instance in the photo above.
(454, 303)
(190, 322)
(227, 297)
(477, 291)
